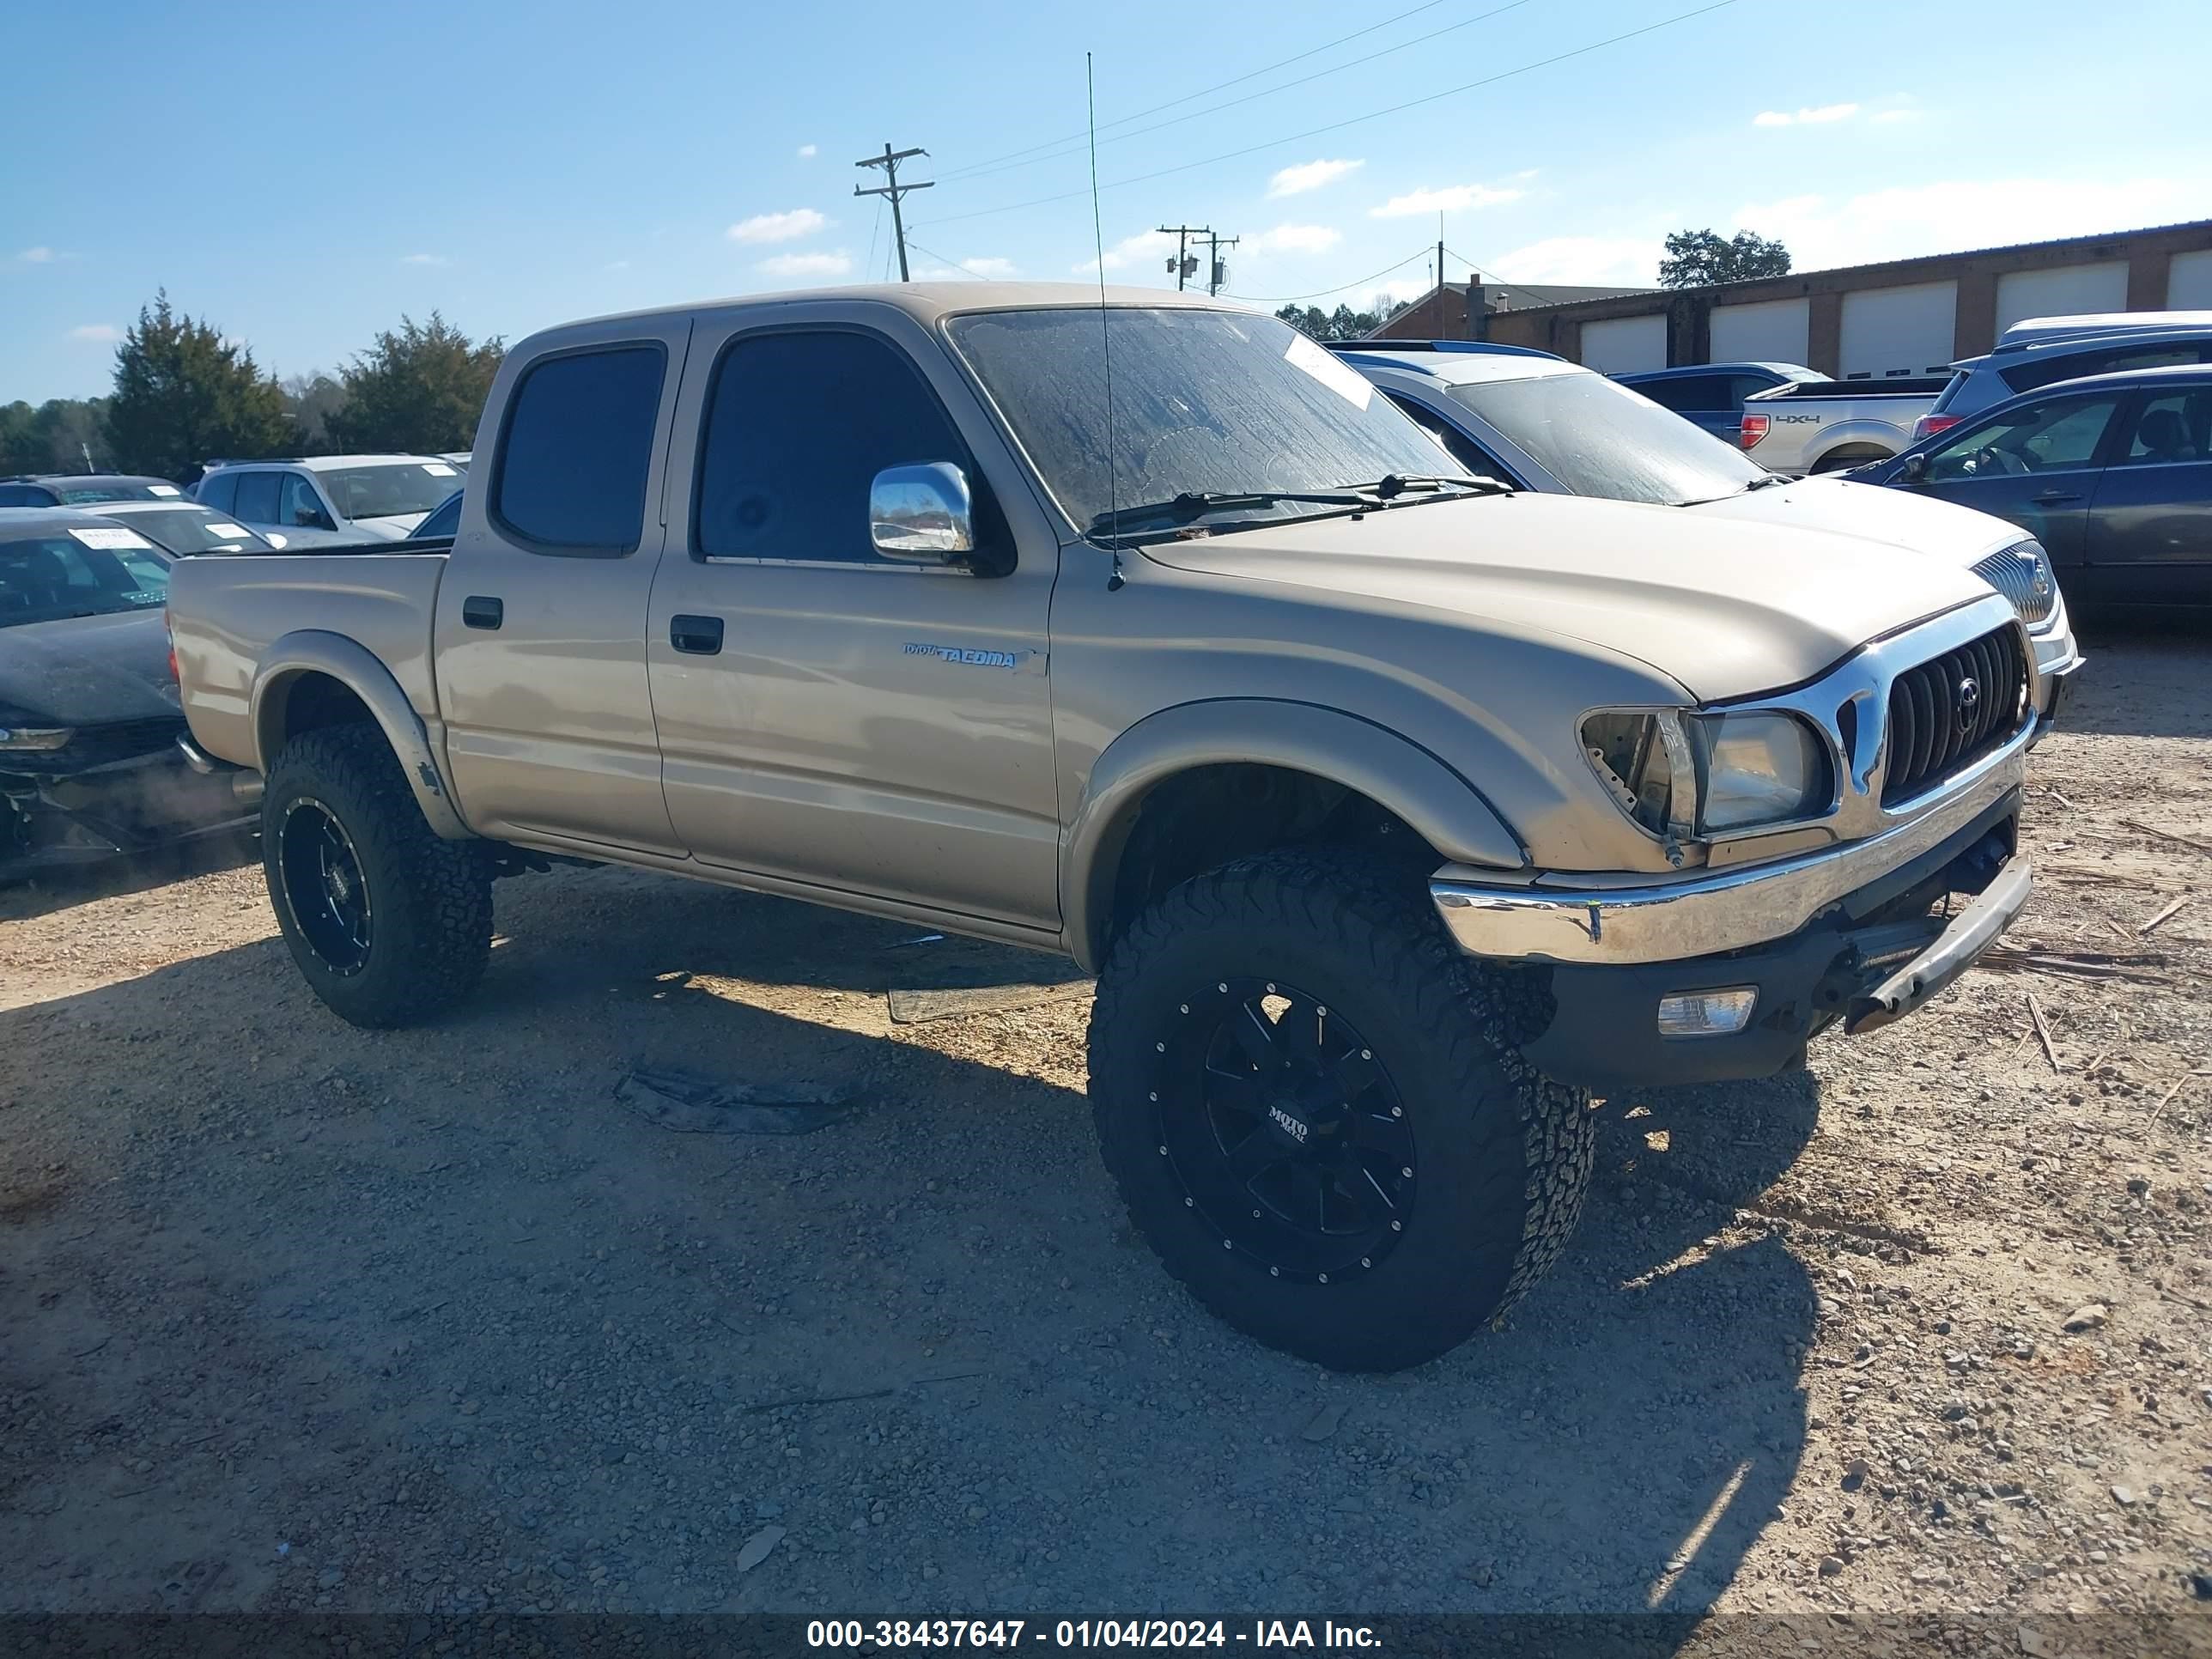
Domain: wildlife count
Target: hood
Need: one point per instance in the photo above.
(88, 670)
(392, 527)
(1898, 518)
(1725, 609)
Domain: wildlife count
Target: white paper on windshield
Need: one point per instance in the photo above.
(1347, 383)
(236, 531)
(439, 469)
(163, 489)
(112, 539)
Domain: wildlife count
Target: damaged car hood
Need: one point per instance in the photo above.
(87, 670)
(1725, 609)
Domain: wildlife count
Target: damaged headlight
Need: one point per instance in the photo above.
(35, 736)
(1689, 776)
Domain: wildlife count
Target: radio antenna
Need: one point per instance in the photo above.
(1105, 333)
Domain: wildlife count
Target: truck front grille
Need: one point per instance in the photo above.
(2025, 580)
(1948, 712)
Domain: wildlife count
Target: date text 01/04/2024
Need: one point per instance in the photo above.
(1083, 1633)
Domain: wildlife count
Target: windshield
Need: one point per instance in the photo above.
(84, 494)
(1599, 438)
(193, 530)
(1204, 402)
(79, 572)
(392, 489)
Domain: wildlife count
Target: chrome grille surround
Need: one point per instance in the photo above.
(2022, 574)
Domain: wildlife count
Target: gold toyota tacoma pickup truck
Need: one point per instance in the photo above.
(1395, 810)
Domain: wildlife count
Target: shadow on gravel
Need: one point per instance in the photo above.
(65, 888)
(437, 1312)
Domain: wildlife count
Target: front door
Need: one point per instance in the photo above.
(826, 716)
(2036, 464)
(2150, 524)
(540, 630)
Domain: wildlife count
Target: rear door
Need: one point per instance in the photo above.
(2150, 522)
(829, 716)
(540, 629)
(2036, 464)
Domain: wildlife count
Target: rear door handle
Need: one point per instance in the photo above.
(698, 636)
(2051, 496)
(482, 611)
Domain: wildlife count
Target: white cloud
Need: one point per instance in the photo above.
(1889, 116)
(1144, 245)
(808, 265)
(1805, 118)
(1628, 261)
(1295, 239)
(1450, 200)
(1309, 175)
(777, 227)
(423, 259)
(991, 266)
(97, 333)
(1956, 215)
(36, 256)
(808, 151)
(1405, 288)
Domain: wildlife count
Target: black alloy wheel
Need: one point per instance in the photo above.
(325, 885)
(1284, 1130)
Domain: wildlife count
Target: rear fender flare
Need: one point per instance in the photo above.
(352, 665)
(1444, 807)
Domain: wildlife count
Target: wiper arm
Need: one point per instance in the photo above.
(1397, 483)
(1195, 503)
(1766, 482)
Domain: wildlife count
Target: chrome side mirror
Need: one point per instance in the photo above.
(922, 514)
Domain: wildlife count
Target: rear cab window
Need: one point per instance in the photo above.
(256, 496)
(576, 450)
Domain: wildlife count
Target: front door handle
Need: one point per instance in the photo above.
(482, 611)
(2051, 497)
(698, 636)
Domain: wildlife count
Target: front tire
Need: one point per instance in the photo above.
(388, 922)
(1316, 1114)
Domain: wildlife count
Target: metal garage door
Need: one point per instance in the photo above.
(1898, 330)
(1773, 331)
(2189, 282)
(1624, 344)
(2068, 291)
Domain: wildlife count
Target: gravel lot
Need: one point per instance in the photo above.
(298, 1316)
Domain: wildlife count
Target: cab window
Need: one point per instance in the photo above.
(2043, 437)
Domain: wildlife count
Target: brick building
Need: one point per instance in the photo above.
(1861, 322)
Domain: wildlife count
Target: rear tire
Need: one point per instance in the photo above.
(388, 922)
(1408, 1104)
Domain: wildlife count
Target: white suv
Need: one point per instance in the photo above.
(328, 499)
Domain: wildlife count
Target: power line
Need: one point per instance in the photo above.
(991, 162)
(889, 162)
(1269, 92)
(1421, 252)
(1355, 120)
(952, 265)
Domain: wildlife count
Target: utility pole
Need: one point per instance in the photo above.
(889, 162)
(1216, 272)
(1182, 266)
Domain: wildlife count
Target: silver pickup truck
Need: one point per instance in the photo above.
(1826, 425)
(1395, 810)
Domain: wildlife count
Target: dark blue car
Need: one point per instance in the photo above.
(2113, 474)
(1711, 395)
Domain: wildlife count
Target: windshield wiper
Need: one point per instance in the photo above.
(1766, 482)
(1195, 503)
(1397, 483)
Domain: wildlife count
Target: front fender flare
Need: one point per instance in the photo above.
(1444, 807)
(316, 651)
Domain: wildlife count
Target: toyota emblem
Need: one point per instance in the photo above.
(1969, 700)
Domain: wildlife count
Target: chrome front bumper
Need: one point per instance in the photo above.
(1567, 918)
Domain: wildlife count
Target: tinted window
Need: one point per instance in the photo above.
(1454, 442)
(191, 530)
(298, 506)
(1688, 392)
(444, 520)
(2174, 427)
(579, 443)
(2039, 438)
(219, 492)
(798, 428)
(256, 496)
(25, 495)
(1740, 386)
(2073, 365)
(79, 572)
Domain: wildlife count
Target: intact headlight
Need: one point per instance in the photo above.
(1691, 776)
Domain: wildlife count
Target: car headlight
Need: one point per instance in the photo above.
(1689, 776)
(2022, 574)
(35, 736)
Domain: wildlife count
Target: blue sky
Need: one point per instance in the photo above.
(302, 175)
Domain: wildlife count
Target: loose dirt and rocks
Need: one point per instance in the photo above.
(297, 1316)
